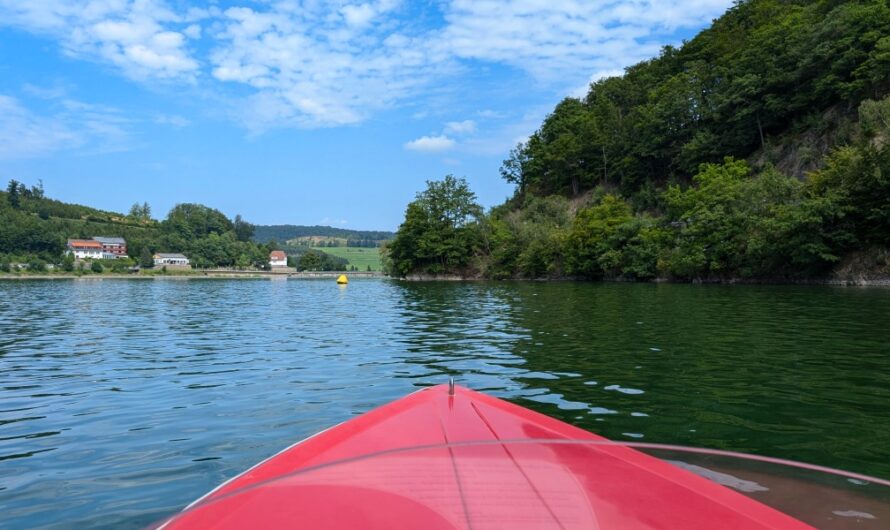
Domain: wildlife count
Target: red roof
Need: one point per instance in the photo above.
(84, 243)
(277, 254)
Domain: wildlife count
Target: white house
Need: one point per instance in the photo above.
(162, 259)
(85, 248)
(98, 248)
(277, 258)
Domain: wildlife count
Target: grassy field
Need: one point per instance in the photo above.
(360, 257)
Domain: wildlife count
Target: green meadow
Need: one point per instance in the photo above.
(358, 256)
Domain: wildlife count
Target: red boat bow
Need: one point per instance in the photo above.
(468, 460)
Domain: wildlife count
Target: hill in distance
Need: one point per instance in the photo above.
(284, 233)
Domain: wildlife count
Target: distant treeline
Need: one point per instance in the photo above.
(333, 242)
(282, 233)
(760, 149)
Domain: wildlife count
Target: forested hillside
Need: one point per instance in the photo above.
(282, 233)
(34, 227)
(756, 150)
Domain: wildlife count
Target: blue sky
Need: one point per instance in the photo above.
(301, 111)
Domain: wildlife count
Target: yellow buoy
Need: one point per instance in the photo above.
(342, 279)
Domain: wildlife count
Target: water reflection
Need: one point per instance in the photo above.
(123, 400)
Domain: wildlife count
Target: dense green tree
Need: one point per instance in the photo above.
(596, 238)
(12, 194)
(440, 231)
(762, 69)
(857, 179)
(243, 230)
(316, 260)
(140, 212)
(146, 261)
(194, 221)
(527, 242)
(96, 267)
(311, 261)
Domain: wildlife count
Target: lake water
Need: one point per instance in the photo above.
(122, 401)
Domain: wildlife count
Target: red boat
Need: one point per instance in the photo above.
(450, 458)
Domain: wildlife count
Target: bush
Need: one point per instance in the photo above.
(68, 263)
(37, 265)
(4, 266)
(97, 267)
(597, 237)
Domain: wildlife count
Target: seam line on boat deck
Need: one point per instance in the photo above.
(519, 467)
(460, 489)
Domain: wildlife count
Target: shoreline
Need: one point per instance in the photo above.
(230, 275)
(837, 282)
(422, 278)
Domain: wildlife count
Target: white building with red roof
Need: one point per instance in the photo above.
(277, 258)
(85, 248)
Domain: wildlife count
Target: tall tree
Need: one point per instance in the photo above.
(243, 230)
(12, 194)
(145, 259)
(37, 191)
(514, 170)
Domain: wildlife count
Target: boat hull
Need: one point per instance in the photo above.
(468, 460)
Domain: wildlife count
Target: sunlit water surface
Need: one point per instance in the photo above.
(122, 401)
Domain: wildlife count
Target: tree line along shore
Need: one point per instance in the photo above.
(759, 150)
(40, 235)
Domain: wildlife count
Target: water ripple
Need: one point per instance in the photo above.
(121, 401)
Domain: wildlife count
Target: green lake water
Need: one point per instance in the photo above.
(122, 401)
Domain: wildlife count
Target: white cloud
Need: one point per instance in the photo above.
(74, 125)
(460, 127)
(358, 15)
(490, 114)
(557, 38)
(313, 67)
(581, 90)
(319, 64)
(137, 36)
(54, 92)
(192, 31)
(431, 144)
(25, 135)
(333, 221)
(309, 69)
(501, 139)
(172, 119)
